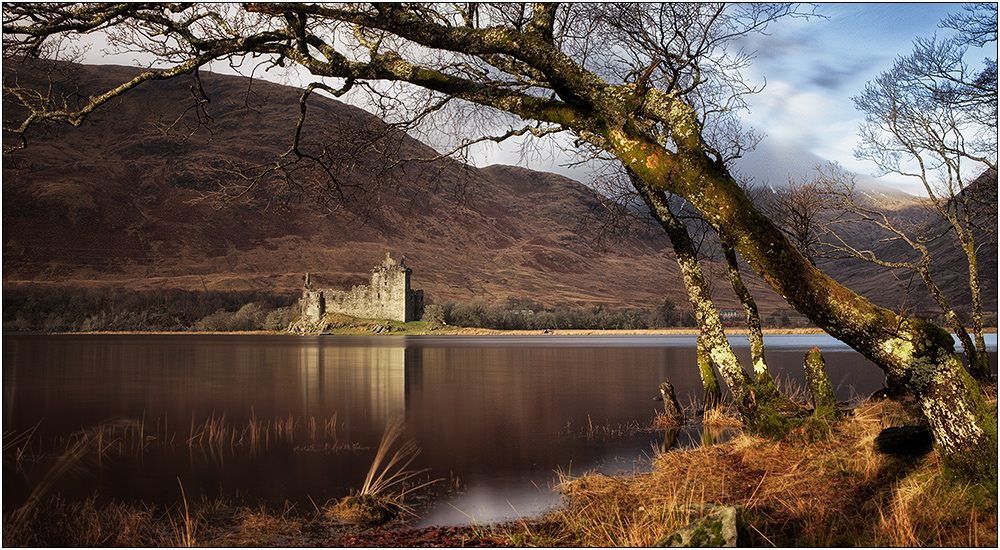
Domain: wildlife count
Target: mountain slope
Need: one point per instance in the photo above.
(129, 199)
(152, 192)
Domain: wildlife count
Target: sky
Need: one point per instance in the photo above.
(812, 67)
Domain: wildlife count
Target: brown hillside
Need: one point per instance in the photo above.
(127, 200)
(148, 194)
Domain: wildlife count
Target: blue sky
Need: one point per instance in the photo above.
(814, 67)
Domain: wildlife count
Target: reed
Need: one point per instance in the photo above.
(605, 431)
(381, 496)
(216, 437)
(185, 528)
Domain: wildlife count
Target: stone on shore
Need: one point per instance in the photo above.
(722, 526)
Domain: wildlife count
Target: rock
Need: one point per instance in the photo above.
(905, 441)
(722, 527)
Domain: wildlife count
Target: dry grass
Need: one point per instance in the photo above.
(814, 488)
(215, 523)
(46, 519)
(721, 416)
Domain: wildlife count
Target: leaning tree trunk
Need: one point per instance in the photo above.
(758, 408)
(754, 332)
(766, 388)
(713, 337)
(920, 354)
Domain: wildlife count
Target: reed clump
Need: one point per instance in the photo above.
(816, 488)
(381, 497)
(215, 436)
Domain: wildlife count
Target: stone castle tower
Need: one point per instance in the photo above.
(389, 296)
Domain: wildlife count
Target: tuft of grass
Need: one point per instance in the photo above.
(721, 416)
(381, 497)
(185, 528)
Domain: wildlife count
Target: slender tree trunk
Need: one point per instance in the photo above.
(713, 393)
(979, 364)
(755, 406)
(754, 332)
(975, 353)
(766, 389)
(824, 401)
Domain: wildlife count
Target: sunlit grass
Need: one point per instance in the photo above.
(826, 489)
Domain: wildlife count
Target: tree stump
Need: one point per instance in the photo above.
(819, 383)
(670, 405)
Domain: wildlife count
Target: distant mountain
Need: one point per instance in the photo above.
(949, 265)
(132, 199)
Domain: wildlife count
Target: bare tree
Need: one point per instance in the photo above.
(797, 208)
(855, 207)
(642, 82)
(934, 119)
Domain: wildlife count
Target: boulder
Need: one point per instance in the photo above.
(905, 441)
(721, 526)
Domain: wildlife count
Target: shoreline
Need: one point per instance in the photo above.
(473, 331)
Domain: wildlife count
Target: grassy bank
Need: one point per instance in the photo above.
(822, 485)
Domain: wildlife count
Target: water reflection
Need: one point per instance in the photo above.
(496, 416)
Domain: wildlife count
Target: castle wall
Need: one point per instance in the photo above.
(389, 296)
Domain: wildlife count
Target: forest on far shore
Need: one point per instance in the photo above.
(32, 308)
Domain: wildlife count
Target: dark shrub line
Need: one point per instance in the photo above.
(65, 309)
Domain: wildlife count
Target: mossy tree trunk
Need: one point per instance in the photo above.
(713, 393)
(713, 338)
(918, 353)
(757, 403)
(754, 332)
(824, 401)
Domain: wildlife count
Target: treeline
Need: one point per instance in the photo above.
(529, 316)
(45, 309)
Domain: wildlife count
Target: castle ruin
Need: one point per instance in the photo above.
(387, 297)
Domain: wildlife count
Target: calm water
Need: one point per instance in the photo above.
(495, 416)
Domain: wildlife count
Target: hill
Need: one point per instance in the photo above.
(149, 194)
(949, 266)
(172, 189)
